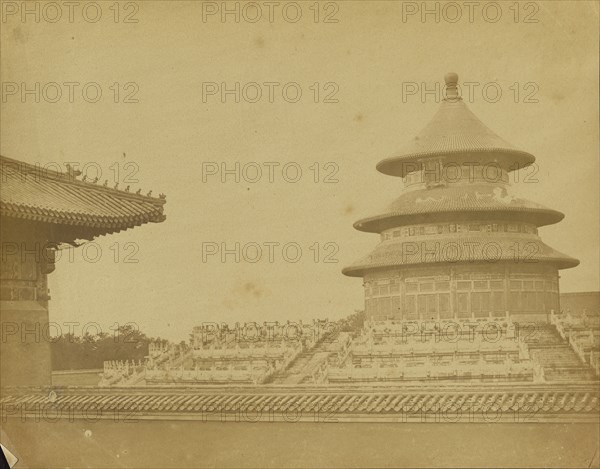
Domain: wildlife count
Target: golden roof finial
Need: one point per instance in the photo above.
(451, 80)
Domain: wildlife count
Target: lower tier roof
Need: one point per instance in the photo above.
(456, 249)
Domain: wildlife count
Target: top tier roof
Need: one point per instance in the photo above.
(453, 130)
(74, 208)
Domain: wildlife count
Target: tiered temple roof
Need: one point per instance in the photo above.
(454, 141)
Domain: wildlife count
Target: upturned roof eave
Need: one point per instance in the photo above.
(93, 224)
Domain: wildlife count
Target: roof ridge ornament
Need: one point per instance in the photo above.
(72, 173)
(452, 93)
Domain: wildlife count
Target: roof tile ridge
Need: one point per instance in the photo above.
(71, 178)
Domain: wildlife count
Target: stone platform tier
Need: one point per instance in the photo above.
(413, 351)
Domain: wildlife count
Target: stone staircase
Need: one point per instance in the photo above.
(558, 360)
(301, 368)
(540, 335)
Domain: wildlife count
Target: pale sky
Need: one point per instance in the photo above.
(368, 55)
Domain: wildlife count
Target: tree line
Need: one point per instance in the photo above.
(77, 352)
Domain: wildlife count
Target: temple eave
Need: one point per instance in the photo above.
(400, 166)
(82, 226)
(359, 270)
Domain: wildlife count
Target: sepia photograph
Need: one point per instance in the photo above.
(299, 234)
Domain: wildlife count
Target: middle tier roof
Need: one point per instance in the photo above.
(472, 201)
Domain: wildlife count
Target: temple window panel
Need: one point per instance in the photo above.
(377, 306)
(540, 301)
(421, 305)
(498, 305)
(480, 304)
(445, 312)
(462, 305)
(410, 307)
(432, 305)
(528, 285)
(396, 305)
(386, 307)
(528, 300)
(515, 301)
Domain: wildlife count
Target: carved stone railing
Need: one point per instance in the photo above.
(464, 347)
(595, 361)
(463, 329)
(246, 353)
(255, 376)
(523, 371)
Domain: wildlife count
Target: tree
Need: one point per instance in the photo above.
(73, 352)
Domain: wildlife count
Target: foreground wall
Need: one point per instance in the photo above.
(228, 444)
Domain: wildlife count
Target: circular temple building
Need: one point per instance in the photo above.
(456, 244)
